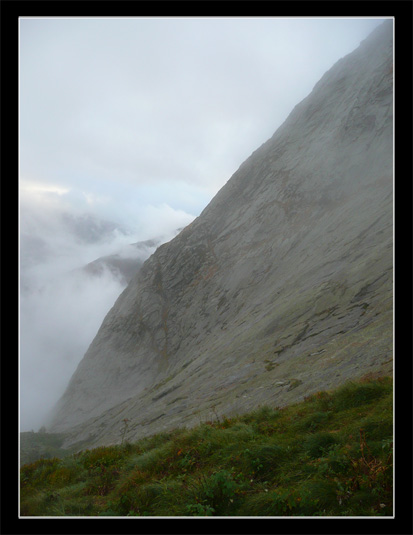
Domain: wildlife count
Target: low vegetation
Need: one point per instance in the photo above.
(330, 455)
(44, 445)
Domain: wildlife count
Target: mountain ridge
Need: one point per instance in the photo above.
(281, 287)
(124, 263)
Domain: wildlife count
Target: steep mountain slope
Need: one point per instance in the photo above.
(280, 288)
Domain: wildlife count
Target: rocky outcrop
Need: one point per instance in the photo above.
(280, 288)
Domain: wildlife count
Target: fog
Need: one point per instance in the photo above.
(61, 304)
(128, 128)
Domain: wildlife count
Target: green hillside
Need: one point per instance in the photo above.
(330, 455)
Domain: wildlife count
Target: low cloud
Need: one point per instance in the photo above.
(62, 305)
(57, 323)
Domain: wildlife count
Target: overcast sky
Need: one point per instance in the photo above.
(121, 113)
(141, 121)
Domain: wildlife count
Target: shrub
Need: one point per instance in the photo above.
(102, 456)
(61, 476)
(362, 501)
(378, 427)
(129, 494)
(313, 422)
(264, 458)
(216, 493)
(318, 497)
(199, 509)
(316, 445)
(353, 395)
(152, 460)
(338, 461)
(321, 400)
(282, 502)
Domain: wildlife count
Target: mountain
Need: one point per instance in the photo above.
(126, 262)
(46, 234)
(282, 287)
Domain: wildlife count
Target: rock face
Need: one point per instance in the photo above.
(125, 264)
(280, 288)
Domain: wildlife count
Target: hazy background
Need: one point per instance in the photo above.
(128, 128)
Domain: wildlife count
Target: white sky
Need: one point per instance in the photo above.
(139, 121)
(117, 113)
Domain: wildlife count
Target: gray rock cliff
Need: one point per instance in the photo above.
(283, 286)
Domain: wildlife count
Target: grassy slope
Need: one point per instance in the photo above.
(329, 455)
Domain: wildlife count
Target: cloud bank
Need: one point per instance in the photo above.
(61, 304)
